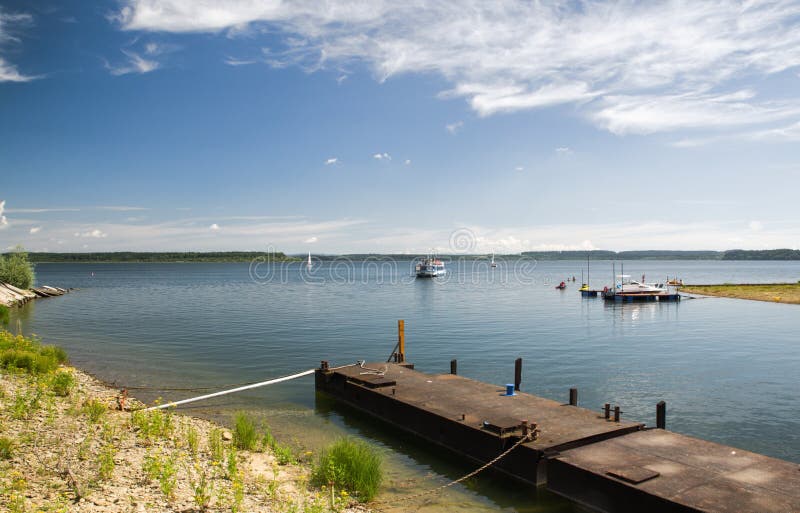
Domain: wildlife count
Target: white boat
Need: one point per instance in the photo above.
(625, 285)
(430, 267)
(309, 264)
(493, 264)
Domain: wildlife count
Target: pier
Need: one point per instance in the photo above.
(592, 457)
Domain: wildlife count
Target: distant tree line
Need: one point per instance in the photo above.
(733, 254)
(162, 257)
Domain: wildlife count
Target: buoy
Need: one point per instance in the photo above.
(510, 389)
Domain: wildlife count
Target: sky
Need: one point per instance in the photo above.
(370, 126)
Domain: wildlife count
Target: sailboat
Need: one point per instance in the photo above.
(493, 264)
(309, 264)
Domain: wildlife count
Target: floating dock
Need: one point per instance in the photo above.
(591, 457)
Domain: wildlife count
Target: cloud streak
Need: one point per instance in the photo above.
(9, 24)
(626, 67)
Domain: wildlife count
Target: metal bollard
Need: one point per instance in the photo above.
(573, 397)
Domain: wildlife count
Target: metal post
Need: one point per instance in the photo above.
(661, 415)
(454, 367)
(517, 373)
(401, 341)
(616, 413)
(607, 410)
(573, 397)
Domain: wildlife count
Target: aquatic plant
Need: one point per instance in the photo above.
(352, 465)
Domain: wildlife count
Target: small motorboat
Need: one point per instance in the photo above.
(561, 286)
(430, 267)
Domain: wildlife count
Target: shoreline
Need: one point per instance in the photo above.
(787, 293)
(80, 453)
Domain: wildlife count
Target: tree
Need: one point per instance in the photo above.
(16, 269)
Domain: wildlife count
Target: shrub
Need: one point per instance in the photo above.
(28, 355)
(16, 269)
(245, 435)
(62, 383)
(352, 465)
(6, 448)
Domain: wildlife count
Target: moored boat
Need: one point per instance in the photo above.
(430, 267)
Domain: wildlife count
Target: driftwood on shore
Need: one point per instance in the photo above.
(13, 296)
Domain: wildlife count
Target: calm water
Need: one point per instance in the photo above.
(727, 368)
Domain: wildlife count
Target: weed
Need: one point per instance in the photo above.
(201, 487)
(351, 465)
(61, 383)
(245, 435)
(192, 440)
(237, 489)
(163, 469)
(6, 448)
(106, 460)
(94, 409)
(153, 424)
(232, 466)
(215, 445)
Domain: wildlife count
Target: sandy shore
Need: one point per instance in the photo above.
(773, 292)
(79, 453)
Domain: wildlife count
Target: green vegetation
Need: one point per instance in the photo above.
(775, 292)
(61, 383)
(95, 410)
(6, 448)
(4, 316)
(16, 269)
(152, 425)
(162, 257)
(106, 461)
(245, 435)
(18, 353)
(352, 465)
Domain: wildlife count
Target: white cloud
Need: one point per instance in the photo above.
(232, 61)
(311, 240)
(382, 156)
(407, 162)
(563, 151)
(331, 161)
(519, 168)
(628, 67)
(454, 127)
(9, 24)
(214, 227)
(3, 220)
(34, 230)
(94, 234)
(755, 226)
(136, 64)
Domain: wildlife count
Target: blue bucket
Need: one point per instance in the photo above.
(510, 389)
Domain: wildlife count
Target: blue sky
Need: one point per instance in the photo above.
(361, 126)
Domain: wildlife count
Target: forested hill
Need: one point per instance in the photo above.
(130, 256)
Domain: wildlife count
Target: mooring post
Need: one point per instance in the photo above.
(616, 413)
(661, 415)
(573, 397)
(454, 367)
(517, 373)
(607, 410)
(401, 341)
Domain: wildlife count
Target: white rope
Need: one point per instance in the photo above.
(239, 389)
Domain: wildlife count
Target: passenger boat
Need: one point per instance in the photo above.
(430, 267)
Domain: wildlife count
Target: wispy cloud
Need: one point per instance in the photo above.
(331, 161)
(407, 162)
(34, 230)
(563, 151)
(214, 227)
(454, 127)
(10, 23)
(311, 240)
(3, 220)
(382, 156)
(232, 61)
(94, 234)
(627, 67)
(135, 64)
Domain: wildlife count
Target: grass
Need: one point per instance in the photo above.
(352, 465)
(245, 434)
(774, 292)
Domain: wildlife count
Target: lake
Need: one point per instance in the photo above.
(726, 368)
